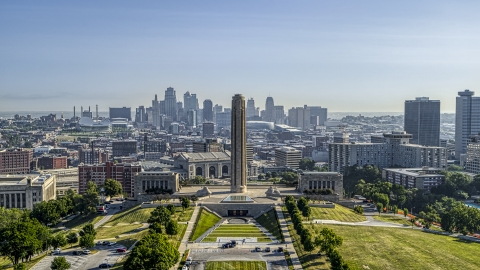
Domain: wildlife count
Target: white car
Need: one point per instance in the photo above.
(86, 252)
(111, 244)
(56, 251)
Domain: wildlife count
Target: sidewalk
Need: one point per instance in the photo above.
(184, 244)
(288, 239)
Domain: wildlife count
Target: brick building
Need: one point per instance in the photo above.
(98, 173)
(52, 162)
(124, 148)
(15, 161)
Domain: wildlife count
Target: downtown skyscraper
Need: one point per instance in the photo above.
(422, 120)
(171, 103)
(467, 120)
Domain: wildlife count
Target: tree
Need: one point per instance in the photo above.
(405, 212)
(290, 177)
(185, 202)
(379, 207)
(261, 176)
(172, 228)
(394, 209)
(155, 228)
(307, 164)
(307, 211)
(60, 263)
(160, 215)
(72, 238)
(412, 220)
(358, 209)
(58, 240)
(22, 238)
(336, 261)
(171, 208)
(87, 236)
(327, 240)
(154, 251)
(89, 199)
(301, 203)
(46, 212)
(112, 187)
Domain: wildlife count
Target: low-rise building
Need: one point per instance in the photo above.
(321, 180)
(23, 191)
(156, 182)
(207, 164)
(424, 178)
(52, 162)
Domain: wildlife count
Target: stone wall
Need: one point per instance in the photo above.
(254, 209)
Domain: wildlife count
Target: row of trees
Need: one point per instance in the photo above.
(326, 239)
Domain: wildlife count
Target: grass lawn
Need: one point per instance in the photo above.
(269, 221)
(80, 221)
(183, 216)
(339, 213)
(177, 239)
(392, 248)
(393, 219)
(110, 232)
(129, 240)
(237, 265)
(205, 221)
(131, 215)
(243, 231)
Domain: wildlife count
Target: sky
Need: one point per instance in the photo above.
(350, 56)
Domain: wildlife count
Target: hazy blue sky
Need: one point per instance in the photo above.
(343, 55)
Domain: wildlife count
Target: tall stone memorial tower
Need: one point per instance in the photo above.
(238, 182)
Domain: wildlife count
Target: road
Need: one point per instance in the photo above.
(92, 261)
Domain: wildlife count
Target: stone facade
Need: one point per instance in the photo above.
(238, 182)
(321, 180)
(156, 180)
(208, 164)
(25, 191)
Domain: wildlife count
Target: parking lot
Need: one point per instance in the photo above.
(105, 254)
(275, 260)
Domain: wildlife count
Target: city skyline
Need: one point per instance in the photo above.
(337, 55)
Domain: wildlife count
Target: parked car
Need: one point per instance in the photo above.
(56, 251)
(267, 249)
(185, 267)
(280, 249)
(189, 260)
(99, 243)
(105, 243)
(86, 252)
(76, 252)
(111, 244)
(258, 249)
(121, 250)
(105, 265)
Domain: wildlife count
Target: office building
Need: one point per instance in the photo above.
(396, 151)
(288, 156)
(24, 191)
(124, 148)
(208, 130)
(238, 182)
(155, 113)
(269, 110)
(15, 161)
(95, 156)
(472, 163)
(299, 117)
(171, 103)
(192, 118)
(98, 173)
(124, 112)
(140, 115)
(424, 178)
(52, 162)
(209, 145)
(422, 120)
(318, 115)
(207, 111)
(190, 101)
(279, 115)
(251, 108)
(223, 119)
(467, 120)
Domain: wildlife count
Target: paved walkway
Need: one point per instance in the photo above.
(186, 236)
(288, 239)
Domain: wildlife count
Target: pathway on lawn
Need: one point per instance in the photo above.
(288, 240)
(369, 222)
(186, 236)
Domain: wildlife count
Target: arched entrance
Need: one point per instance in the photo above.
(211, 172)
(225, 170)
(199, 171)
